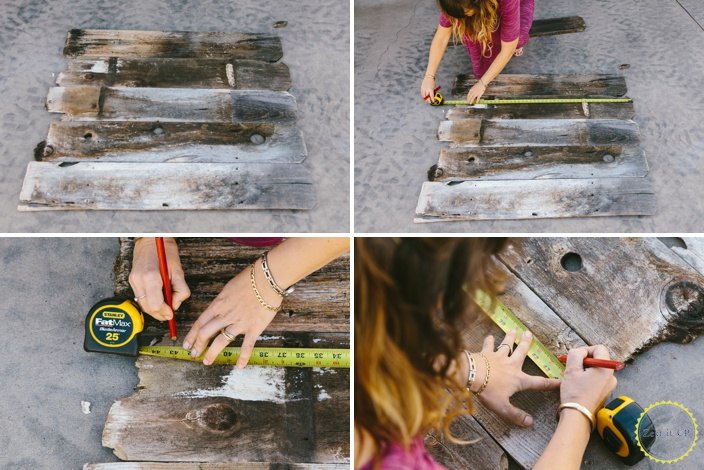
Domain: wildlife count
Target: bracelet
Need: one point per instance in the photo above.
(256, 292)
(472, 372)
(483, 84)
(486, 378)
(271, 281)
(576, 406)
(427, 75)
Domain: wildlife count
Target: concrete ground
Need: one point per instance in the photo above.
(316, 49)
(661, 41)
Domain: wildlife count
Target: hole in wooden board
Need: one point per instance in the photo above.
(608, 158)
(534, 214)
(166, 204)
(158, 130)
(673, 242)
(88, 136)
(571, 262)
(471, 159)
(66, 164)
(257, 139)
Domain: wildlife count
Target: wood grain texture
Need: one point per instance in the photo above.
(171, 44)
(690, 249)
(544, 111)
(211, 466)
(70, 141)
(88, 103)
(527, 199)
(628, 293)
(485, 454)
(523, 132)
(539, 162)
(162, 186)
(553, 26)
(568, 85)
(320, 303)
(177, 73)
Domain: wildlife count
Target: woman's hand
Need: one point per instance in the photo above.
(476, 92)
(427, 88)
(145, 278)
(589, 387)
(507, 378)
(237, 309)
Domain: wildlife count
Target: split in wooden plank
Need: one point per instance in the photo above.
(88, 103)
(165, 186)
(625, 293)
(553, 26)
(320, 302)
(71, 141)
(530, 199)
(544, 111)
(539, 162)
(101, 43)
(574, 85)
(211, 466)
(483, 453)
(539, 132)
(177, 73)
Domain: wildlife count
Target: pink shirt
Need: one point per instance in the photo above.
(515, 20)
(398, 458)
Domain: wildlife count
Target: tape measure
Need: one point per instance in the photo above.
(438, 100)
(616, 424)
(507, 321)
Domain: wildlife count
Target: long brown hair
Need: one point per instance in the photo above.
(479, 26)
(410, 311)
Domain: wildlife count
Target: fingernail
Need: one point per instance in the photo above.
(527, 334)
(194, 353)
(240, 366)
(528, 420)
(207, 362)
(186, 345)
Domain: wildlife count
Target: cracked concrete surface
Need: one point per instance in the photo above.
(656, 44)
(316, 49)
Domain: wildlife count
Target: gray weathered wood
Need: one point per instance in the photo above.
(210, 466)
(177, 73)
(485, 454)
(625, 293)
(544, 111)
(574, 85)
(172, 142)
(175, 44)
(553, 26)
(523, 132)
(160, 186)
(536, 162)
(88, 103)
(690, 249)
(530, 199)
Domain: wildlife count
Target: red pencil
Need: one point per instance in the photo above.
(164, 270)
(591, 362)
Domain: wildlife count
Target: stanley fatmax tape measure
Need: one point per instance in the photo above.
(113, 326)
(617, 422)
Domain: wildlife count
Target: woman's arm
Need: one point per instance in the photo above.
(437, 51)
(496, 67)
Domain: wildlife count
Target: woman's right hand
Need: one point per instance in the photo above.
(589, 387)
(427, 88)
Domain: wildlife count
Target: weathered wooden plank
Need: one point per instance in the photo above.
(87, 103)
(485, 454)
(70, 141)
(177, 73)
(320, 302)
(331, 414)
(539, 162)
(553, 26)
(530, 199)
(524, 85)
(165, 186)
(210, 466)
(690, 249)
(171, 44)
(544, 111)
(525, 132)
(626, 293)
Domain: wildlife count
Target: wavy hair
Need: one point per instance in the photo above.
(479, 26)
(410, 311)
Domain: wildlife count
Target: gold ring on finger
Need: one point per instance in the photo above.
(510, 350)
(230, 337)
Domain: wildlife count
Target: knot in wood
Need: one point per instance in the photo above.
(217, 417)
(686, 299)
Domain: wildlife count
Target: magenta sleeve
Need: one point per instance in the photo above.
(444, 21)
(510, 16)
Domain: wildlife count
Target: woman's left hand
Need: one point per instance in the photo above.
(476, 92)
(237, 309)
(507, 378)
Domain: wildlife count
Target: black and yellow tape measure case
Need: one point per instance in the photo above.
(617, 423)
(113, 326)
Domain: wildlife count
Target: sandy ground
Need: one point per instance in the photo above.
(316, 49)
(395, 132)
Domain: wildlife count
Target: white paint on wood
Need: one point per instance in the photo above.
(100, 66)
(230, 71)
(251, 384)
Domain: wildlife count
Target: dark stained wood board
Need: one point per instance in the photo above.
(526, 199)
(172, 142)
(525, 86)
(554, 26)
(165, 186)
(89, 103)
(522, 132)
(628, 293)
(485, 454)
(539, 162)
(211, 466)
(101, 43)
(544, 111)
(177, 73)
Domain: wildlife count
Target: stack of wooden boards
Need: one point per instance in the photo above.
(626, 293)
(170, 120)
(254, 418)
